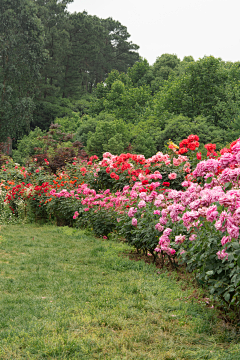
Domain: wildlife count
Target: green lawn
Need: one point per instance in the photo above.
(67, 295)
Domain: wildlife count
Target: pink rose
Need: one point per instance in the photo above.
(134, 221)
(180, 239)
(172, 176)
(222, 254)
(193, 237)
(141, 204)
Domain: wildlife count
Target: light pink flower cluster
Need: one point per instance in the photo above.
(206, 166)
(132, 211)
(172, 176)
(164, 243)
(180, 239)
(222, 254)
(134, 221)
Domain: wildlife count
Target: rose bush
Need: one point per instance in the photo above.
(181, 207)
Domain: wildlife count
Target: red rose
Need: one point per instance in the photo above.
(193, 138)
(184, 143)
(192, 146)
(210, 147)
(166, 183)
(182, 151)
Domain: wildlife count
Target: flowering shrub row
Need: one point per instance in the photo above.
(178, 208)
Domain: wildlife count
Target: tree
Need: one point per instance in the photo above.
(144, 144)
(164, 65)
(110, 136)
(22, 54)
(119, 97)
(54, 18)
(82, 49)
(206, 88)
(141, 73)
(119, 52)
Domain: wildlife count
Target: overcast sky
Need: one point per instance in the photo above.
(181, 27)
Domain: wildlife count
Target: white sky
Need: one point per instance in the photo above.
(181, 27)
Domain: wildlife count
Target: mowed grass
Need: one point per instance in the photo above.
(67, 295)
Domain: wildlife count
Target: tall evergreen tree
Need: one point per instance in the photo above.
(21, 57)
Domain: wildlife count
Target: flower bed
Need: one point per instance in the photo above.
(174, 206)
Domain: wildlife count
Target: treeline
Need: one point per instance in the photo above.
(48, 55)
(141, 109)
(168, 100)
(83, 73)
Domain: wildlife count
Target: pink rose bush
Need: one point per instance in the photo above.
(198, 224)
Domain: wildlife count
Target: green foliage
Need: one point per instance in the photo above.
(27, 145)
(62, 209)
(199, 97)
(143, 143)
(46, 112)
(69, 124)
(221, 277)
(92, 48)
(101, 222)
(140, 73)
(38, 80)
(203, 89)
(109, 136)
(88, 125)
(164, 67)
(145, 236)
(22, 54)
(119, 97)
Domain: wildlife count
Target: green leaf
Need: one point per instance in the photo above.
(211, 272)
(228, 185)
(235, 245)
(226, 296)
(238, 261)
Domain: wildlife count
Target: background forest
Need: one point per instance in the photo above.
(82, 73)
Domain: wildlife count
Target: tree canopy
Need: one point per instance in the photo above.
(22, 54)
(83, 72)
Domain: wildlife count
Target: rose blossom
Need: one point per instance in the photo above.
(141, 204)
(132, 211)
(225, 240)
(180, 239)
(134, 221)
(172, 176)
(193, 237)
(222, 254)
(167, 231)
